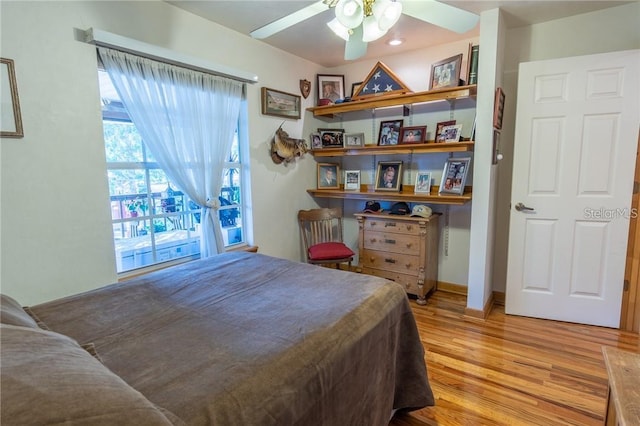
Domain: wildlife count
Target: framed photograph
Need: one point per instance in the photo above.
(280, 104)
(330, 86)
(423, 183)
(316, 142)
(498, 109)
(10, 117)
(328, 176)
(454, 176)
(439, 137)
(389, 132)
(353, 140)
(446, 73)
(332, 138)
(355, 87)
(352, 180)
(414, 134)
(452, 133)
(389, 176)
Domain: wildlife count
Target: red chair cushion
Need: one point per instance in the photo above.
(327, 251)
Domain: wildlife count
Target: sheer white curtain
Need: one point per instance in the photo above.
(188, 120)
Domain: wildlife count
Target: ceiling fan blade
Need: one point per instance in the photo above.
(289, 20)
(355, 48)
(441, 14)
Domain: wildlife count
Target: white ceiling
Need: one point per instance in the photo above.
(313, 40)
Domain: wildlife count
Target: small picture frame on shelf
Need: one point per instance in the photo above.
(316, 141)
(439, 137)
(355, 87)
(389, 132)
(354, 140)
(454, 176)
(330, 87)
(389, 176)
(452, 133)
(328, 175)
(413, 134)
(331, 138)
(446, 73)
(423, 183)
(352, 180)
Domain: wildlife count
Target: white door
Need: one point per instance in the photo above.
(574, 156)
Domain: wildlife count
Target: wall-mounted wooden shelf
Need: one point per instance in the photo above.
(395, 100)
(407, 195)
(425, 148)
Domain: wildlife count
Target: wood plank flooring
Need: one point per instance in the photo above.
(509, 370)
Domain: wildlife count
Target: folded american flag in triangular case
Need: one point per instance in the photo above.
(381, 81)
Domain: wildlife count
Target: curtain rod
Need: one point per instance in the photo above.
(115, 41)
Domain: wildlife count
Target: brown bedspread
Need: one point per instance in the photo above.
(247, 339)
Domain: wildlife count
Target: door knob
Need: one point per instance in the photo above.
(522, 208)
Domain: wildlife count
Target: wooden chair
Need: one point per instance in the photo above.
(321, 231)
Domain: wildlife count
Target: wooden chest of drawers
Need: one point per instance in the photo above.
(400, 248)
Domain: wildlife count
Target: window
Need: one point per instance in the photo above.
(153, 221)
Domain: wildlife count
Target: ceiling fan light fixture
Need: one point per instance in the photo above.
(387, 13)
(350, 12)
(371, 30)
(339, 29)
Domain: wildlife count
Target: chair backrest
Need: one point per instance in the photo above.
(320, 226)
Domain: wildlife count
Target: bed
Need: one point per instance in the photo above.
(236, 339)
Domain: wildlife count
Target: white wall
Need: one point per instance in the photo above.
(56, 237)
(609, 30)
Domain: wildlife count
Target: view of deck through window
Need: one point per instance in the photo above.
(153, 220)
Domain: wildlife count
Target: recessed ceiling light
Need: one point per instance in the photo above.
(395, 41)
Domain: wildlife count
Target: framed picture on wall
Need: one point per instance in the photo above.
(280, 104)
(331, 87)
(10, 118)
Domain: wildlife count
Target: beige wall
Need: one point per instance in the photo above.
(608, 30)
(56, 232)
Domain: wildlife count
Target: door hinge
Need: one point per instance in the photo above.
(636, 187)
(626, 285)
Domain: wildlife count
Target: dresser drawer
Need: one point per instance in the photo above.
(394, 243)
(397, 262)
(408, 282)
(392, 225)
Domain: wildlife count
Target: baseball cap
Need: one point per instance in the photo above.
(400, 208)
(421, 211)
(371, 207)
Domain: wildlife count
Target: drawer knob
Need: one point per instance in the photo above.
(407, 265)
(409, 245)
(373, 240)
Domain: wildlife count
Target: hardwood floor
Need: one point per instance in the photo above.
(509, 370)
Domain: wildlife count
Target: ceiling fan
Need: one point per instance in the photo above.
(361, 21)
